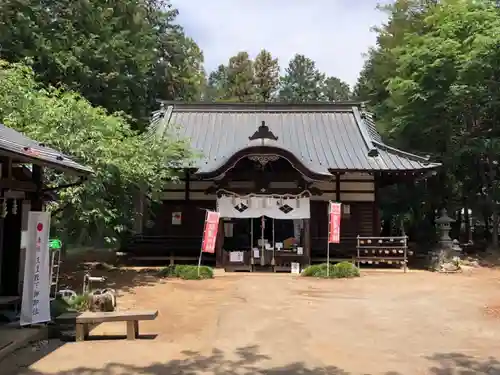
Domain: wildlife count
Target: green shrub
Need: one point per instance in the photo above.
(316, 270)
(80, 302)
(345, 270)
(59, 306)
(168, 271)
(187, 272)
(336, 271)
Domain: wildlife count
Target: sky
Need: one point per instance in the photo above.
(334, 33)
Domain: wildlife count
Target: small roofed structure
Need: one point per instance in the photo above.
(263, 155)
(23, 162)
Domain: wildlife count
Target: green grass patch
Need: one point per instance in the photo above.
(342, 270)
(187, 272)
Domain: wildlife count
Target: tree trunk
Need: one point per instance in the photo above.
(494, 231)
(486, 219)
(468, 231)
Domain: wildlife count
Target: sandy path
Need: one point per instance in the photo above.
(416, 323)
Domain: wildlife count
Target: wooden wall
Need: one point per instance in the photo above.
(355, 190)
(352, 187)
(358, 222)
(192, 221)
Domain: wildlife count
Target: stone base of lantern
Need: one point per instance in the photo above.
(446, 258)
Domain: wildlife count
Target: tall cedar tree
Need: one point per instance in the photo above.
(302, 81)
(217, 84)
(335, 90)
(240, 78)
(266, 76)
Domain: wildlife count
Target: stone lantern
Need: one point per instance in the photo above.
(448, 250)
(444, 225)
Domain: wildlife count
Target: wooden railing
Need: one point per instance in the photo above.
(144, 245)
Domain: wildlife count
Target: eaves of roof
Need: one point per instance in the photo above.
(24, 149)
(324, 137)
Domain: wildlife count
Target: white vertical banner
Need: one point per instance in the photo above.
(35, 307)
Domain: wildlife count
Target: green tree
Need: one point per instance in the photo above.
(123, 161)
(217, 84)
(336, 90)
(302, 81)
(405, 16)
(240, 78)
(447, 88)
(121, 55)
(180, 73)
(267, 72)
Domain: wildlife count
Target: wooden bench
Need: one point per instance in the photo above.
(86, 319)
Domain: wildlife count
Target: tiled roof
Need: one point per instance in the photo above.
(324, 137)
(28, 150)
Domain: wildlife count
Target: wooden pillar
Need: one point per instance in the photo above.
(219, 251)
(376, 212)
(37, 177)
(139, 208)
(307, 240)
(5, 173)
(187, 185)
(11, 241)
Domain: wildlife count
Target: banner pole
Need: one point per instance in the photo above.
(252, 254)
(274, 244)
(328, 240)
(202, 239)
(262, 246)
(199, 261)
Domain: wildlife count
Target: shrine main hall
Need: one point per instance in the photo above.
(270, 170)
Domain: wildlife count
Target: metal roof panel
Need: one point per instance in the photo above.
(24, 148)
(322, 136)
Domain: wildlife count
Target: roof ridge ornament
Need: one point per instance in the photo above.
(263, 132)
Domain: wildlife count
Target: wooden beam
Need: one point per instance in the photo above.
(9, 184)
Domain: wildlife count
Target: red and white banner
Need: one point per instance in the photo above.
(334, 214)
(210, 232)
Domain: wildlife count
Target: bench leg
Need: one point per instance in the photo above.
(82, 331)
(132, 329)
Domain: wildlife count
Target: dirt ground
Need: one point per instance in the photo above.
(382, 323)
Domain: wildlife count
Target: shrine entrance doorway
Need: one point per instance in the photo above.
(275, 234)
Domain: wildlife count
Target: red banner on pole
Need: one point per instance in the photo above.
(335, 214)
(210, 232)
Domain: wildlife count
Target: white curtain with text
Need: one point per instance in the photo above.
(257, 206)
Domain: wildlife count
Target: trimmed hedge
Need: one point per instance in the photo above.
(336, 271)
(187, 272)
